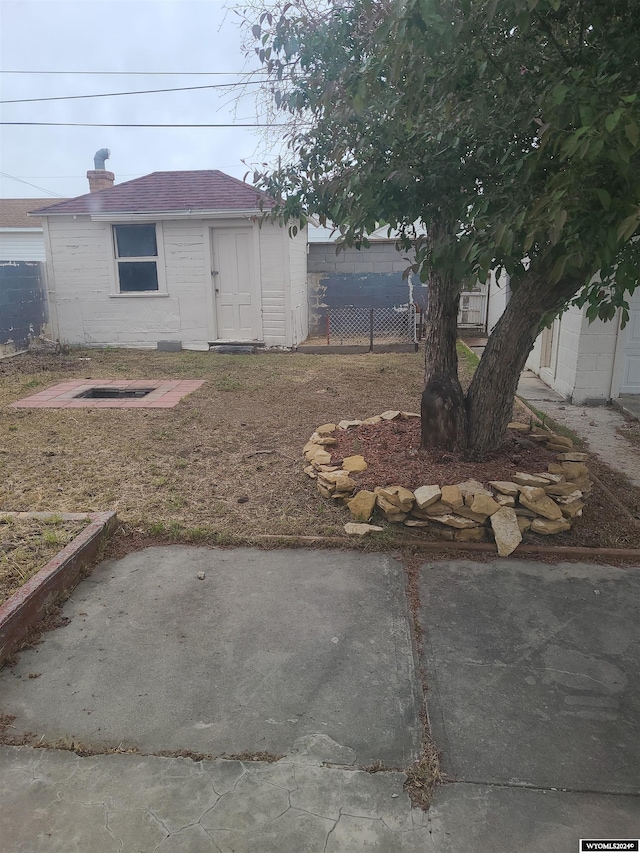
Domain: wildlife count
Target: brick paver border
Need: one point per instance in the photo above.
(166, 394)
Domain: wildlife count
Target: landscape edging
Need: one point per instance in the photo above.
(27, 606)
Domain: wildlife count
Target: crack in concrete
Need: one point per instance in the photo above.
(326, 841)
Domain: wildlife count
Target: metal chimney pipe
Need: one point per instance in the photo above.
(100, 156)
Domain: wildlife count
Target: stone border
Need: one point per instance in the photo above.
(547, 502)
(27, 606)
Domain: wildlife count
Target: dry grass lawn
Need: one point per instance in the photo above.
(27, 544)
(239, 436)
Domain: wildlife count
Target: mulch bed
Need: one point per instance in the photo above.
(391, 451)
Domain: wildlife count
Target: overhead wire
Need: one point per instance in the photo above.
(35, 186)
(141, 92)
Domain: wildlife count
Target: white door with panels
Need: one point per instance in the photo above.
(233, 278)
(630, 361)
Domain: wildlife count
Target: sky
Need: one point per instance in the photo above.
(186, 36)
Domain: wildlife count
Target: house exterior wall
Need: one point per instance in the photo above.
(498, 295)
(21, 244)
(88, 310)
(582, 357)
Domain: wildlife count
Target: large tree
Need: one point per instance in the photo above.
(508, 130)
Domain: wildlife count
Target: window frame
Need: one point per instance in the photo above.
(158, 259)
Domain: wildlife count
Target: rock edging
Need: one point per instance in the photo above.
(546, 502)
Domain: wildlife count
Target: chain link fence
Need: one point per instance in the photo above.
(370, 326)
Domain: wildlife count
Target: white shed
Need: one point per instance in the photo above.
(179, 257)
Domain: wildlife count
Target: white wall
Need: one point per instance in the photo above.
(299, 307)
(21, 245)
(88, 310)
(499, 294)
(582, 357)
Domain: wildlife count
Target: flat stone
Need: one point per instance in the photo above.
(345, 484)
(523, 523)
(310, 471)
(473, 487)
(409, 415)
(504, 524)
(569, 499)
(314, 450)
(416, 522)
(362, 505)
(471, 534)
(550, 478)
(572, 509)
(457, 521)
(438, 508)
(390, 415)
(348, 424)
(484, 505)
(515, 425)
(561, 489)
(453, 496)
(523, 479)
(467, 512)
(331, 477)
(557, 448)
(372, 421)
(549, 526)
(309, 446)
(573, 457)
(395, 517)
(354, 463)
(390, 511)
(573, 470)
(555, 468)
(538, 430)
(326, 441)
(532, 493)
(546, 507)
(397, 495)
(506, 500)
(353, 529)
(427, 495)
(326, 429)
(525, 513)
(320, 457)
(505, 487)
(562, 440)
(326, 491)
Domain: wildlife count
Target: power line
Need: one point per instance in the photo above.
(89, 124)
(142, 92)
(144, 73)
(20, 181)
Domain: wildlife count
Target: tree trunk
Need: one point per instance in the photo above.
(489, 400)
(442, 407)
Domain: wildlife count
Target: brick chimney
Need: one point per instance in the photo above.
(100, 179)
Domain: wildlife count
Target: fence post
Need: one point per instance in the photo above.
(371, 330)
(328, 328)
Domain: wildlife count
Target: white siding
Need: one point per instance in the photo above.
(275, 284)
(22, 245)
(299, 309)
(89, 311)
(84, 281)
(499, 294)
(582, 357)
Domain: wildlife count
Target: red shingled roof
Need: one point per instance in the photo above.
(166, 192)
(13, 212)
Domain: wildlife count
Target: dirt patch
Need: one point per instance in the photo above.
(27, 544)
(391, 451)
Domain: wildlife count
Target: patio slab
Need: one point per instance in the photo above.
(534, 673)
(269, 647)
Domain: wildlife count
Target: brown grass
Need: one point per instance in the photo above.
(192, 466)
(27, 544)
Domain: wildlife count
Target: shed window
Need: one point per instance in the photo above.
(138, 244)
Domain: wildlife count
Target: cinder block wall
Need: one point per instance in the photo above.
(360, 278)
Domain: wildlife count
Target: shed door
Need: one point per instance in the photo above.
(630, 375)
(233, 277)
